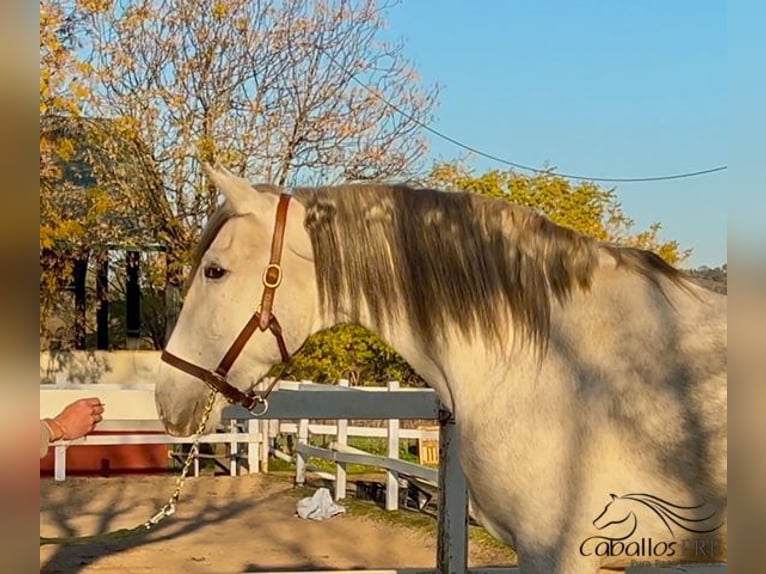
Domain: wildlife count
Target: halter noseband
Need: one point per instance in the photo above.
(262, 319)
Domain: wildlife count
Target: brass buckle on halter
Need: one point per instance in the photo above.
(276, 282)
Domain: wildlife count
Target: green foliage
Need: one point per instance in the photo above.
(584, 207)
(349, 352)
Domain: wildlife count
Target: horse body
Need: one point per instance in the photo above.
(574, 369)
(628, 399)
(596, 418)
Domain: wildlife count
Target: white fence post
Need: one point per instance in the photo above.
(59, 462)
(452, 542)
(342, 440)
(264, 427)
(233, 450)
(265, 443)
(392, 478)
(300, 459)
(252, 445)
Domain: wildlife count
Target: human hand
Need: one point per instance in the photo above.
(77, 419)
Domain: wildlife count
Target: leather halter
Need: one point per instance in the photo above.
(262, 319)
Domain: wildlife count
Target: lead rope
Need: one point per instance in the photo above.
(167, 510)
(170, 506)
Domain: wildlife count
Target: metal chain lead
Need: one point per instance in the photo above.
(170, 506)
(167, 510)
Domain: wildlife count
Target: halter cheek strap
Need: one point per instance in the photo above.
(262, 319)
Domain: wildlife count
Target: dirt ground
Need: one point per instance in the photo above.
(224, 524)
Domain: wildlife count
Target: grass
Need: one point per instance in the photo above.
(378, 446)
(420, 521)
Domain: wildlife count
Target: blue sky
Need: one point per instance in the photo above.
(597, 88)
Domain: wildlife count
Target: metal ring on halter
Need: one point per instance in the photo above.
(264, 402)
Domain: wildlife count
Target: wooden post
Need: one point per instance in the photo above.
(342, 439)
(254, 446)
(102, 296)
(132, 300)
(392, 478)
(452, 542)
(80, 272)
(300, 459)
(173, 283)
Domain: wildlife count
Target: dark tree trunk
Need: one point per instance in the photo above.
(102, 295)
(173, 290)
(133, 300)
(80, 304)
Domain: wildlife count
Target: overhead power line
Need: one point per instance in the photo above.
(509, 163)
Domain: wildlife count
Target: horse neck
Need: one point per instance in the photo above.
(457, 366)
(442, 364)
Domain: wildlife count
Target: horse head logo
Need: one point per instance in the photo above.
(617, 511)
(700, 519)
(618, 521)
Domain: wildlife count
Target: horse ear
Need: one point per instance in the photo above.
(240, 194)
(614, 496)
(244, 199)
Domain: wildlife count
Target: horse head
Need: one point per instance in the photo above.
(236, 274)
(615, 512)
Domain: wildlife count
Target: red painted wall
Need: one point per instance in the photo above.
(111, 460)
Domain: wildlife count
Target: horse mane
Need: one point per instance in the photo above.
(442, 259)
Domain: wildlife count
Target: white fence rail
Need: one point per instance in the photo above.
(131, 407)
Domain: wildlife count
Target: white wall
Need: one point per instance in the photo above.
(123, 367)
(123, 380)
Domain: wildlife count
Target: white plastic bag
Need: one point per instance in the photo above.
(320, 506)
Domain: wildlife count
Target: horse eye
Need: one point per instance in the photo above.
(214, 272)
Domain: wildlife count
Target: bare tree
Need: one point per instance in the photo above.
(140, 91)
(273, 89)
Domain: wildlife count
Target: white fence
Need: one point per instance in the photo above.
(131, 407)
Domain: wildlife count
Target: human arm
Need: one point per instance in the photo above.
(76, 420)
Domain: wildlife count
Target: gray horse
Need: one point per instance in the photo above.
(577, 371)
